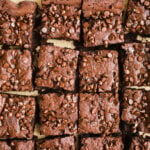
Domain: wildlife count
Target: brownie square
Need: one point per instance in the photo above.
(16, 116)
(138, 17)
(61, 19)
(139, 143)
(136, 64)
(103, 22)
(102, 143)
(135, 110)
(58, 114)
(17, 23)
(15, 70)
(17, 145)
(99, 113)
(57, 68)
(98, 71)
(65, 143)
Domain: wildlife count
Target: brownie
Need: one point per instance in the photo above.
(57, 68)
(58, 114)
(103, 22)
(135, 110)
(99, 113)
(61, 19)
(15, 70)
(17, 145)
(16, 116)
(65, 143)
(138, 17)
(136, 64)
(98, 71)
(139, 144)
(102, 143)
(17, 23)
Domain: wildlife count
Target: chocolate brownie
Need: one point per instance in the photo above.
(135, 110)
(57, 68)
(140, 144)
(136, 64)
(17, 145)
(61, 19)
(103, 22)
(17, 22)
(58, 114)
(102, 143)
(98, 71)
(99, 113)
(138, 17)
(65, 143)
(16, 116)
(15, 70)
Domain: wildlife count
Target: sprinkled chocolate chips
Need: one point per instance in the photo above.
(98, 71)
(16, 116)
(15, 70)
(61, 21)
(58, 114)
(57, 67)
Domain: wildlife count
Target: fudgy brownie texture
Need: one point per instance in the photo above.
(17, 145)
(98, 71)
(16, 116)
(99, 113)
(135, 110)
(138, 17)
(102, 143)
(139, 144)
(15, 70)
(61, 19)
(103, 22)
(136, 64)
(17, 23)
(65, 143)
(58, 114)
(57, 68)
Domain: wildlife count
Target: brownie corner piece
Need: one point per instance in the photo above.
(15, 70)
(98, 113)
(17, 144)
(64, 143)
(100, 143)
(98, 71)
(61, 19)
(17, 114)
(139, 143)
(17, 23)
(136, 64)
(58, 114)
(57, 68)
(138, 17)
(135, 110)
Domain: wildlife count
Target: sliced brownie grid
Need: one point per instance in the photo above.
(58, 114)
(102, 143)
(66, 143)
(135, 110)
(15, 70)
(102, 24)
(98, 71)
(17, 23)
(17, 114)
(17, 145)
(136, 64)
(57, 68)
(138, 17)
(61, 19)
(98, 113)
